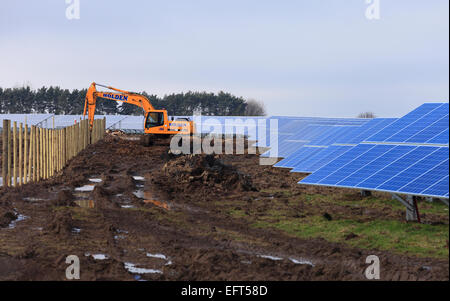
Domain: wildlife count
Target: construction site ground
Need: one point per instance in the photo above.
(131, 212)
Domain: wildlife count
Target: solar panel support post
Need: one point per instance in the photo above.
(412, 212)
(444, 201)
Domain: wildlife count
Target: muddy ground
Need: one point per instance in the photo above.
(155, 216)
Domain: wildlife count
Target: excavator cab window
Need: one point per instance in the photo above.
(154, 119)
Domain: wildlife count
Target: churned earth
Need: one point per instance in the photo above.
(131, 212)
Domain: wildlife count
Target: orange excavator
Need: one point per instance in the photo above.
(156, 123)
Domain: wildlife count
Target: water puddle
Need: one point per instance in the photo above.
(270, 257)
(296, 261)
(95, 180)
(85, 188)
(97, 256)
(127, 206)
(76, 230)
(19, 218)
(133, 269)
(139, 194)
(293, 260)
(160, 256)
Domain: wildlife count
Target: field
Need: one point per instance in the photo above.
(156, 216)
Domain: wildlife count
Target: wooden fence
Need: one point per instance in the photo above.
(31, 154)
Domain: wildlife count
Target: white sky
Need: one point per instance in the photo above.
(300, 57)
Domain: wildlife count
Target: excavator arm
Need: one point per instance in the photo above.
(122, 96)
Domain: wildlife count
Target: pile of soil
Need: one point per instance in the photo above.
(61, 223)
(6, 217)
(194, 171)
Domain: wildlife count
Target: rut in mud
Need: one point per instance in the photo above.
(136, 213)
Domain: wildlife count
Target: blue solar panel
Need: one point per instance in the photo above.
(409, 155)
(374, 126)
(310, 161)
(435, 129)
(326, 156)
(419, 170)
(348, 156)
(411, 124)
(300, 151)
(439, 188)
(332, 135)
(392, 153)
(422, 126)
(416, 167)
(441, 138)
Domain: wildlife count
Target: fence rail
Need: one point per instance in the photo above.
(31, 154)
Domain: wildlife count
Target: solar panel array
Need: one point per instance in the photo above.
(329, 146)
(296, 132)
(408, 156)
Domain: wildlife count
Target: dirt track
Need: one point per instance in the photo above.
(175, 222)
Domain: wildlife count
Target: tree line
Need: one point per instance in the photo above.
(55, 100)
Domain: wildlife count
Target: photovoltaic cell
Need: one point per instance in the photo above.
(326, 157)
(421, 126)
(411, 124)
(441, 138)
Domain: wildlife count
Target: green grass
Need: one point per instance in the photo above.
(399, 237)
(390, 234)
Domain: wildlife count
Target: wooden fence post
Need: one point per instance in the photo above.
(25, 155)
(5, 153)
(8, 143)
(15, 154)
(20, 154)
(32, 162)
(41, 154)
(52, 153)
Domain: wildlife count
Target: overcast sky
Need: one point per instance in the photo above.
(300, 57)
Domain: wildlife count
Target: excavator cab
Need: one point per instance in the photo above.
(154, 119)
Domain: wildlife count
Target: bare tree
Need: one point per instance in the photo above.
(367, 115)
(254, 108)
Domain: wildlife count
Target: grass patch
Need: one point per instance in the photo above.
(399, 237)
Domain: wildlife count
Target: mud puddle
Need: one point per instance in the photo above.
(133, 269)
(147, 195)
(19, 218)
